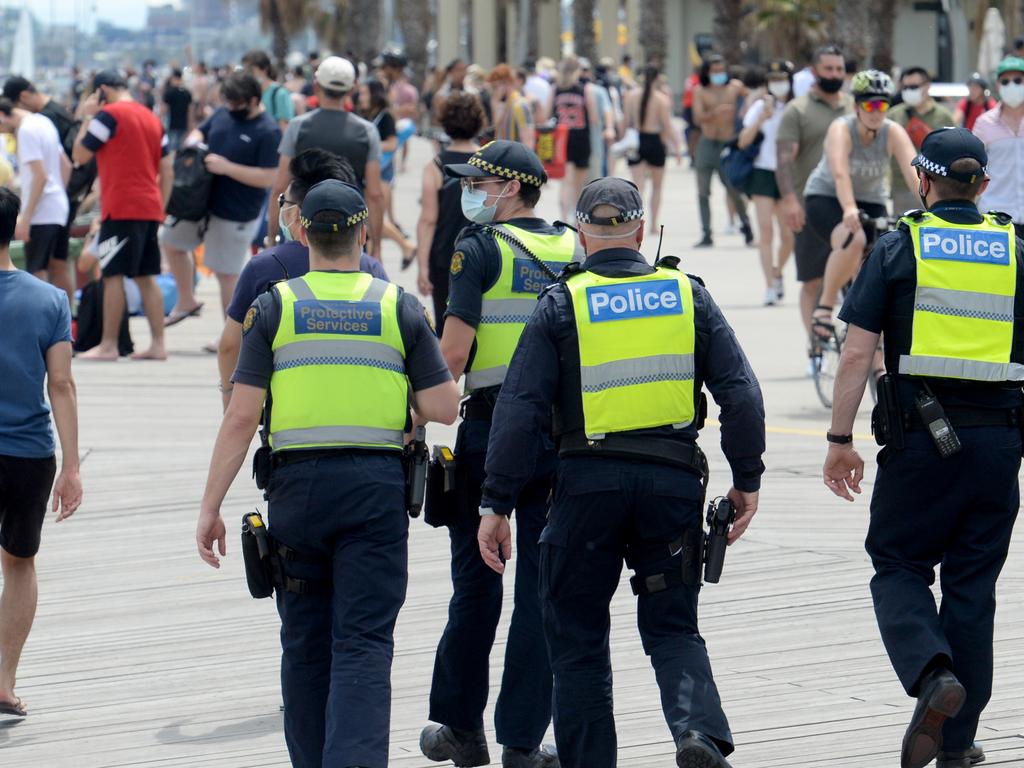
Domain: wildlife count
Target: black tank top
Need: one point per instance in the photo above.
(450, 220)
(571, 107)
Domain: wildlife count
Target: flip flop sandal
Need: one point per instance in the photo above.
(819, 323)
(174, 319)
(15, 708)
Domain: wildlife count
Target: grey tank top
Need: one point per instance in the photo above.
(868, 166)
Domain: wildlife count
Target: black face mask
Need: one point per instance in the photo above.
(920, 194)
(830, 84)
(239, 114)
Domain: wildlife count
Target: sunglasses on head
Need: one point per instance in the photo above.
(875, 105)
(1008, 80)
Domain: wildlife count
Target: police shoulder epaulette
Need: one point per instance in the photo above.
(570, 269)
(1002, 219)
(468, 231)
(697, 279)
(915, 214)
(669, 262)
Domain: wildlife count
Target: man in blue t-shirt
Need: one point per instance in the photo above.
(243, 141)
(285, 261)
(36, 347)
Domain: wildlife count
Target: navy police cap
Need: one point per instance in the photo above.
(336, 197)
(612, 192)
(506, 159)
(944, 146)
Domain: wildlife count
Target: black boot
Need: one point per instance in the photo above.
(964, 759)
(695, 750)
(940, 697)
(464, 748)
(748, 234)
(544, 756)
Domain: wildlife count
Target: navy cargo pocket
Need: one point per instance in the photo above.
(553, 550)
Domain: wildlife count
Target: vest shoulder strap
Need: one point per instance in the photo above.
(1001, 218)
(697, 279)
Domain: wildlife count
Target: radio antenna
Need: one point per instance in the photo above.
(661, 236)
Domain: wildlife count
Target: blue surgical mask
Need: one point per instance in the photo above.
(473, 207)
(286, 235)
(720, 78)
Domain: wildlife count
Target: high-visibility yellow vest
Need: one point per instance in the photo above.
(339, 364)
(507, 305)
(964, 305)
(637, 340)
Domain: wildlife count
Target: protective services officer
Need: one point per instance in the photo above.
(500, 265)
(621, 351)
(947, 292)
(338, 350)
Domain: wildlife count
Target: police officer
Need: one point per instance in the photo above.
(500, 265)
(946, 292)
(621, 351)
(337, 349)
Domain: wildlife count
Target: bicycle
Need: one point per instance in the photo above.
(825, 350)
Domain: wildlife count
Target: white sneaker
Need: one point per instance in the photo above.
(731, 229)
(779, 286)
(771, 297)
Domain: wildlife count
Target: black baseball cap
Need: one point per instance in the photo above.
(110, 78)
(15, 86)
(944, 146)
(610, 191)
(507, 159)
(337, 197)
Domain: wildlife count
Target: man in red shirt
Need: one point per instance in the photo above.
(135, 173)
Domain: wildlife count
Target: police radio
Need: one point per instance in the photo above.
(937, 423)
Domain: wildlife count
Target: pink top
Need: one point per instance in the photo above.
(1005, 149)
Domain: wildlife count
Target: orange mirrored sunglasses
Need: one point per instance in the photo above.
(875, 105)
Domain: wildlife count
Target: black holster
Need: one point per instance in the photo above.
(258, 555)
(887, 416)
(414, 460)
(262, 466)
(442, 501)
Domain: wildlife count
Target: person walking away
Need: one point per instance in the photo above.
(603, 131)
(441, 218)
(337, 487)
(574, 105)
(799, 145)
(494, 285)
(919, 114)
(39, 350)
(761, 123)
(135, 173)
(176, 109)
(630, 482)
(650, 112)
(849, 180)
(951, 312)
(1001, 132)
(277, 100)
(242, 140)
(45, 170)
(342, 133)
(715, 103)
(977, 103)
(513, 117)
(402, 94)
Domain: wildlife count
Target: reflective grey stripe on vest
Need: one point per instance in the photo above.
(639, 370)
(970, 304)
(507, 310)
(952, 368)
(487, 377)
(376, 290)
(329, 352)
(336, 436)
(301, 289)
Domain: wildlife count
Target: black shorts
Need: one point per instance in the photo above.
(651, 151)
(814, 242)
(44, 244)
(129, 248)
(24, 490)
(577, 150)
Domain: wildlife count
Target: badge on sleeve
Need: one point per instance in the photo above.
(249, 321)
(457, 260)
(429, 319)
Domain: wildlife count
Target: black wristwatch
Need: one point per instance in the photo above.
(838, 439)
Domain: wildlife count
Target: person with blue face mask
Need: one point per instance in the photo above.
(500, 264)
(715, 109)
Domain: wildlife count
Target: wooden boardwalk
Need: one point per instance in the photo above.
(143, 656)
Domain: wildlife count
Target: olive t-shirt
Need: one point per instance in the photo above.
(937, 116)
(806, 120)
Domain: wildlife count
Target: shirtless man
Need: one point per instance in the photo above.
(714, 110)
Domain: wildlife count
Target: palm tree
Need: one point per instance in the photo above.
(853, 30)
(652, 31)
(583, 28)
(883, 18)
(727, 28)
(793, 28)
(416, 20)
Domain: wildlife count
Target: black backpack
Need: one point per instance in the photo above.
(90, 322)
(190, 195)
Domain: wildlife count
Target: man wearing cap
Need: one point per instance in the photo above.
(499, 266)
(620, 350)
(1000, 131)
(343, 133)
(947, 292)
(338, 350)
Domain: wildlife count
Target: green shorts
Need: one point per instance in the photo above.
(763, 183)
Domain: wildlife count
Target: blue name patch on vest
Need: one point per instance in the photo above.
(360, 318)
(527, 277)
(628, 301)
(977, 246)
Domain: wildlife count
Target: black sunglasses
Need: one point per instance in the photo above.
(282, 201)
(1014, 80)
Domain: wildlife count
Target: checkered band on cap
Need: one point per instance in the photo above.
(621, 218)
(322, 226)
(506, 173)
(940, 170)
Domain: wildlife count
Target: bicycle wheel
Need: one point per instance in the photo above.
(825, 355)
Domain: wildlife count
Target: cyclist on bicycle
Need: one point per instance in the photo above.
(851, 178)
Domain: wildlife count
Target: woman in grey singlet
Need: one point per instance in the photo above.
(852, 177)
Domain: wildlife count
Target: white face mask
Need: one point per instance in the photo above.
(913, 97)
(1012, 94)
(778, 88)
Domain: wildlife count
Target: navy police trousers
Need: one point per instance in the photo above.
(458, 692)
(957, 513)
(345, 517)
(600, 506)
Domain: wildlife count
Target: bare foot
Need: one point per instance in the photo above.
(153, 353)
(100, 353)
